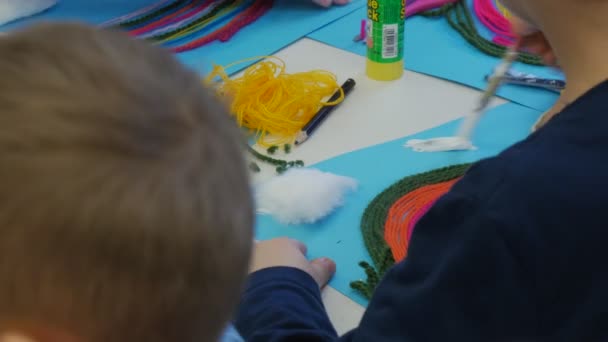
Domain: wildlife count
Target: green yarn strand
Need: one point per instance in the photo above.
(367, 287)
(280, 165)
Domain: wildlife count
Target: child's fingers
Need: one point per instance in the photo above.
(537, 44)
(322, 270)
(549, 58)
(299, 245)
(543, 50)
(536, 38)
(537, 49)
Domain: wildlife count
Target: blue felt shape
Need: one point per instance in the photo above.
(339, 237)
(286, 22)
(434, 48)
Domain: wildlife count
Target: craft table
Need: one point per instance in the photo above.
(375, 112)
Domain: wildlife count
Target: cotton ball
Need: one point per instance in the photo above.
(11, 10)
(302, 195)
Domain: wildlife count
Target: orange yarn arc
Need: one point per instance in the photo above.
(402, 215)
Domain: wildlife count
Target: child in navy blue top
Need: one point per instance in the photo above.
(516, 251)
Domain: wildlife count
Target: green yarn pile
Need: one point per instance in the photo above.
(374, 218)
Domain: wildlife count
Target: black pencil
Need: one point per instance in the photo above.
(323, 113)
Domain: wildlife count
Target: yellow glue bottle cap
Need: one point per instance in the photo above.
(384, 71)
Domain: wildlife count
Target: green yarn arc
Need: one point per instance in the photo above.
(374, 218)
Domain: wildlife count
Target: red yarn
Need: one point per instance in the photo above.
(259, 8)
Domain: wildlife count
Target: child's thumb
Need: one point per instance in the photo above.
(323, 270)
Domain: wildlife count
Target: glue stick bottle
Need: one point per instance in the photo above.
(385, 22)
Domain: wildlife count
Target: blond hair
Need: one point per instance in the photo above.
(125, 210)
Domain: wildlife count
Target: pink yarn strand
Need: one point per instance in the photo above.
(417, 218)
(490, 17)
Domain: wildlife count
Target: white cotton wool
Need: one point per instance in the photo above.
(11, 10)
(302, 195)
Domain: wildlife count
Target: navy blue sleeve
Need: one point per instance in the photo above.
(283, 304)
(463, 278)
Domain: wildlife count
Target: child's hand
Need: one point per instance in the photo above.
(328, 3)
(532, 40)
(291, 253)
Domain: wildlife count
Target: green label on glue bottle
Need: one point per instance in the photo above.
(385, 21)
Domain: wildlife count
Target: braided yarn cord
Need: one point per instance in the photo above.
(154, 14)
(376, 215)
(184, 25)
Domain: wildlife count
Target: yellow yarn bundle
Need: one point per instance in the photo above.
(271, 102)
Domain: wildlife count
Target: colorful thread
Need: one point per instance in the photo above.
(228, 31)
(171, 21)
(391, 208)
(272, 103)
(495, 21)
(178, 25)
(138, 18)
(460, 19)
(130, 16)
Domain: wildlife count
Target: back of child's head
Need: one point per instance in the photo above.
(125, 212)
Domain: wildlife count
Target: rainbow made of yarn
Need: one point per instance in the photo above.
(391, 217)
